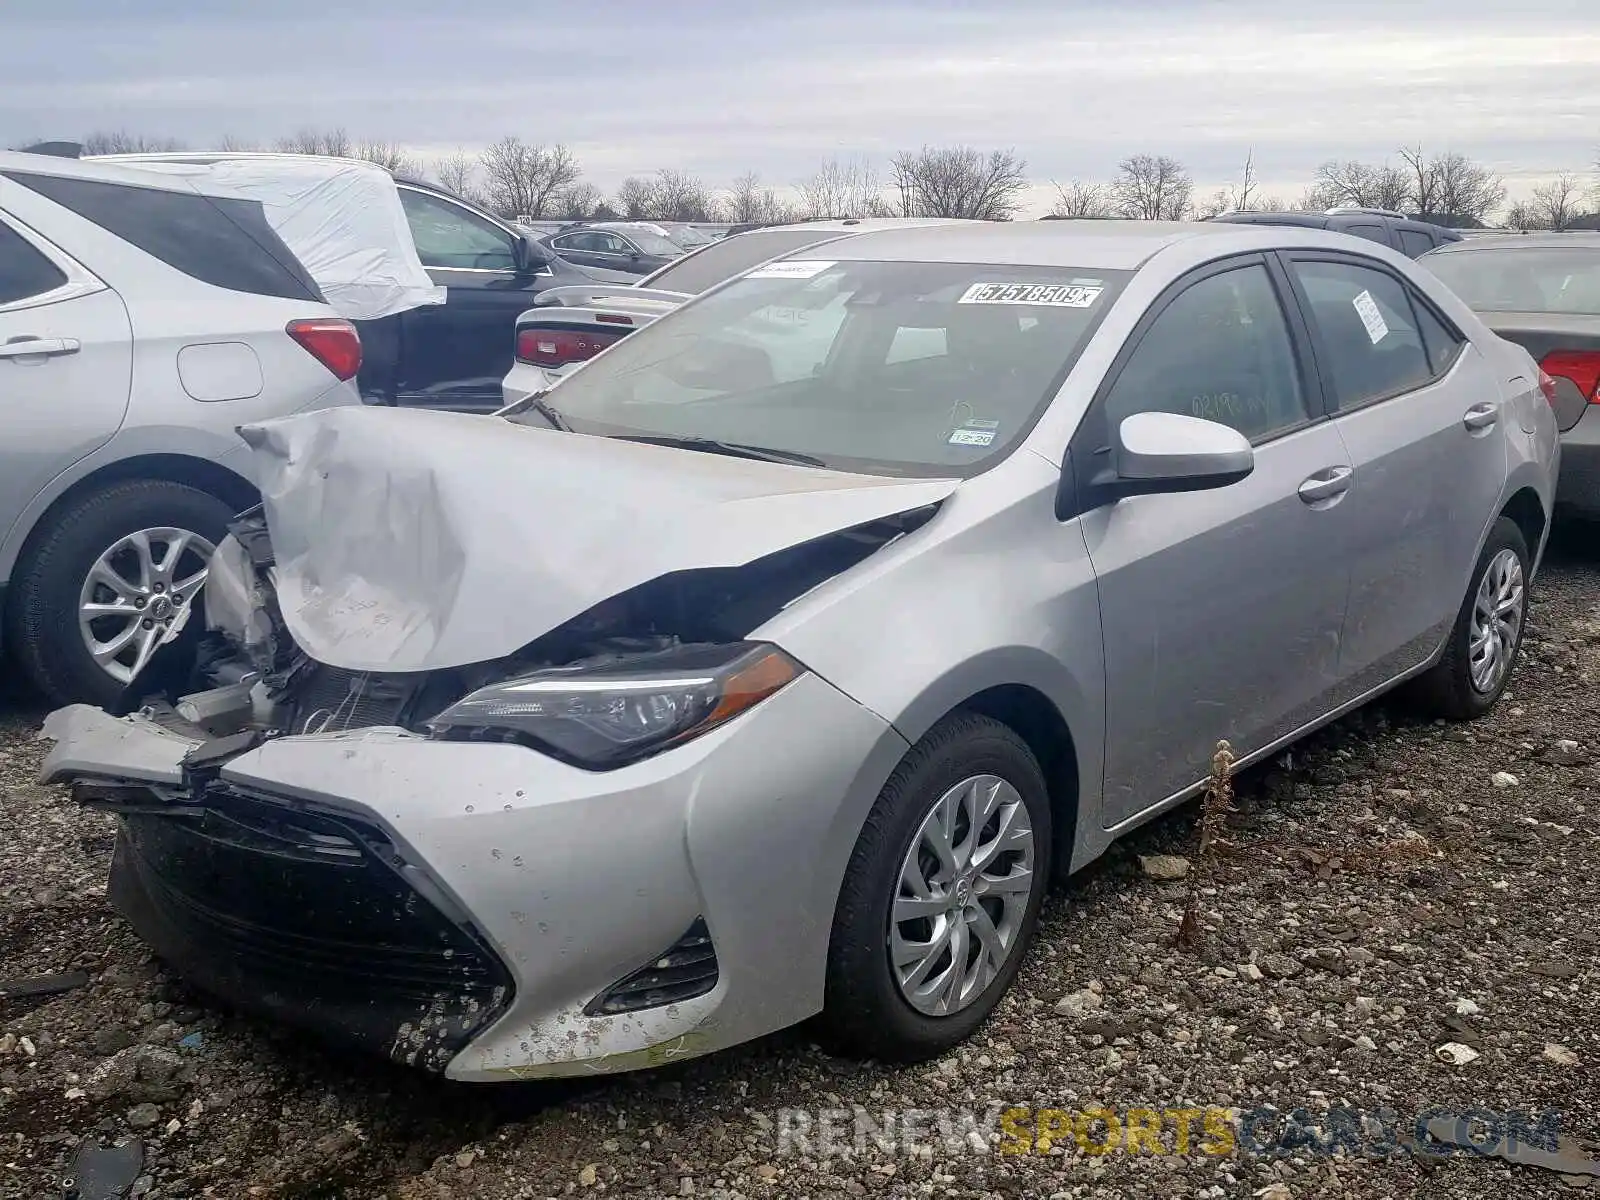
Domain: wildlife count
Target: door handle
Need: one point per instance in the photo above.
(1481, 416)
(39, 347)
(1326, 484)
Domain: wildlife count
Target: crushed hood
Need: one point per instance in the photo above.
(410, 540)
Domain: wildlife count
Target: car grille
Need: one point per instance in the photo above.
(333, 700)
(310, 919)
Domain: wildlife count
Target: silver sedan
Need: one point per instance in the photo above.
(772, 664)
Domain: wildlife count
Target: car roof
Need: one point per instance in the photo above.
(1105, 245)
(100, 169)
(1582, 239)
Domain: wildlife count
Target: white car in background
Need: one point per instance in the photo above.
(570, 325)
(143, 319)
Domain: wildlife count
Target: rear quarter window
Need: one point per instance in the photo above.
(224, 242)
(24, 272)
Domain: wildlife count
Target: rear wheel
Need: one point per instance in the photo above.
(942, 895)
(1483, 644)
(109, 582)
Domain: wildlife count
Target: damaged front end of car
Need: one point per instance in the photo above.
(323, 915)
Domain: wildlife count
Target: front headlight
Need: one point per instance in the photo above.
(608, 715)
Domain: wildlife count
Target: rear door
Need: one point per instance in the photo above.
(1221, 610)
(456, 354)
(66, 362)
(1419, 410)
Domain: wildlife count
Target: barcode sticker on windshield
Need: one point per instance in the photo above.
(1367, 309)
(1055, 295)
(797, 269)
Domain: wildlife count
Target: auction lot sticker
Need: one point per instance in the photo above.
(1052, 295)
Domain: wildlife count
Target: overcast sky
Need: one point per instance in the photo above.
(719, 87)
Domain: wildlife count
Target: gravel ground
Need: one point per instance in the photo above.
(1383, 894)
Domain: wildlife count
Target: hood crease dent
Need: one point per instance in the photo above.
(415, 540)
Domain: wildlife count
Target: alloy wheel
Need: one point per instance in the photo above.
(1497, 615)
(962, 895)
(137, 596)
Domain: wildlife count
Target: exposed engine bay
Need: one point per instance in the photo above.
(252, 681)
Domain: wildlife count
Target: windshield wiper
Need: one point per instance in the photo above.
(536, 402)
(731, 449)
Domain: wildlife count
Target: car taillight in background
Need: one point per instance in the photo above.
(563, 347)
(1580, 367)
(332, 342)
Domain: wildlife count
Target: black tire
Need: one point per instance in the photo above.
(42, 608)
(864, 1013)
(1446, 689)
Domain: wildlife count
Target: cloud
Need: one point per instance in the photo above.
(724, 88)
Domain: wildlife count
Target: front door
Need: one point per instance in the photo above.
(457, 354)
(66, 362)
(1419, 410)
(1221, 610)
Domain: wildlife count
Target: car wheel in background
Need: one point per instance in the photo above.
(942, 895)
(1483, 644)
(105, 584)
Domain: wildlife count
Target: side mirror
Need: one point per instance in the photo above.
(1154, 453)
(528, 255)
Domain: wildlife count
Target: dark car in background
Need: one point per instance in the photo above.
(1542, 291)
(1409, 236)
(454, 355)
(634, 248)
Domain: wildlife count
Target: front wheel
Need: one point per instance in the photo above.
(1469, 679)
(942, 895)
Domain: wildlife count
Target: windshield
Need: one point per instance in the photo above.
(732, 255)
(689, 238)
(651, 242)
(893, 368)
(1535, 279)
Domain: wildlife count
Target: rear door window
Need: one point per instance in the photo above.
(224, 242)
(25, 274)
(1414, 243)
(1369, 343)
(1373, 233)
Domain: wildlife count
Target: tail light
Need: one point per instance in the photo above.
(332, 342)
(1547, 386)
(562, 347)
(1580, 367)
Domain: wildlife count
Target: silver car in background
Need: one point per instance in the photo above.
(772, 667)
(1542, 291)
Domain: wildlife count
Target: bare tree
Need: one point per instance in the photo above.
(522, 180)
(1450, 188)
(1079, 199)
(1554, 205)
(1243, 197)
(1361, 185)
(669, 196)
(458, 172)
(1214, 205)
(579, 202)
(959, 181)
(235, 144)
(391, 156)
(122, 142)
(334, 142)
(636, 198)
(841, 189)
(747, 202)
(1151, 188)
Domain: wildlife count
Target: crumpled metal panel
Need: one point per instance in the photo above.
(411, 540)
